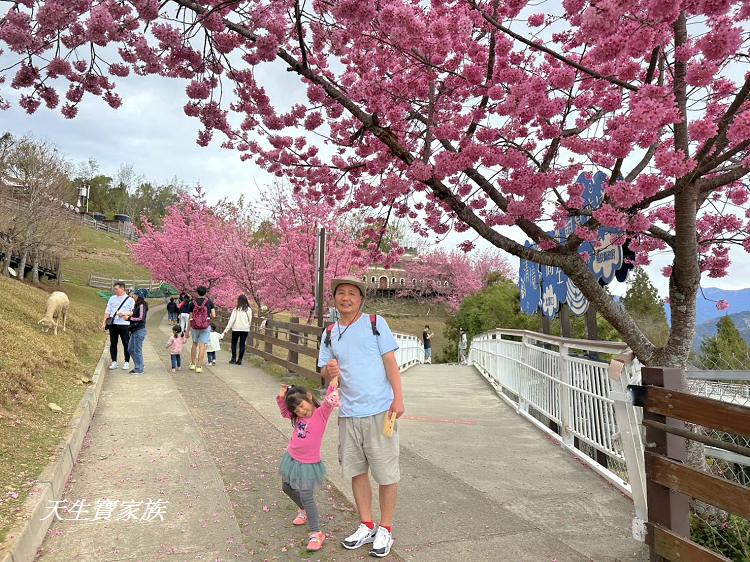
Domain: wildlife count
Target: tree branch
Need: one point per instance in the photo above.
(593, 73)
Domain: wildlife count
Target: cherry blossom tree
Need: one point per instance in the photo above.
(449, 278)
(286, 280)
(185, 250)
(444, 113)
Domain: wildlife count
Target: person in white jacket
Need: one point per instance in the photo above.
(239, 324)
(213, 345)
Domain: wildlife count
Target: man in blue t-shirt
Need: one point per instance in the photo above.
(362, 356)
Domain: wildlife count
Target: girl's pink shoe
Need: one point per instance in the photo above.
(316, 541)
(301, 518)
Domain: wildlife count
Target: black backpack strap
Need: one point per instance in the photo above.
(329, 331)
(374, 324)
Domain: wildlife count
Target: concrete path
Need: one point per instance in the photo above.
(479, 483)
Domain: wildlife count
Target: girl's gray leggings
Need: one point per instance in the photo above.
(305, 499)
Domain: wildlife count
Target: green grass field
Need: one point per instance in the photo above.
(99, 253)
(38, 368)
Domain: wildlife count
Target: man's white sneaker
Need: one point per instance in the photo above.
(126, 366)
(113, 365)
(363, 535)
(381, 546)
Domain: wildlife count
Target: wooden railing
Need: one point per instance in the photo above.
(291, 339)
(670, 482)
(108, 283)
(295, 346)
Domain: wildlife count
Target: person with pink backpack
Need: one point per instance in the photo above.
(202, 311)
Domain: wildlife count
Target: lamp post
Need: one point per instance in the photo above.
(83, 196)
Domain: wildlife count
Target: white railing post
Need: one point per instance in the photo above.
(523, 383)
(566, 397)
(632, 443)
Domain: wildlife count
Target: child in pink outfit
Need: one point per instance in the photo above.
(175, 344)
(301, 469)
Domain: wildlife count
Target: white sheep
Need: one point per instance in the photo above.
(57, 310)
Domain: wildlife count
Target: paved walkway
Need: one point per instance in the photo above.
(478, 483)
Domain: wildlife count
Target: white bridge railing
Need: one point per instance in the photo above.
(562, 386)
(410, 350)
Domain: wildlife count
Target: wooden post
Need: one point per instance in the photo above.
(592, 330)
(268, 346)
(565, 321)
(545, 324)
(293, 356)
(666, 507)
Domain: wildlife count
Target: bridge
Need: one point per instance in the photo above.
(521, 455)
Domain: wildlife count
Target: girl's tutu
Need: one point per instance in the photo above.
(301, 476)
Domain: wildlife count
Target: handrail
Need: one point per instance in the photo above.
(566, 395)
(599, 346)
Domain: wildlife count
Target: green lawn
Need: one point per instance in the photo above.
(98, 253)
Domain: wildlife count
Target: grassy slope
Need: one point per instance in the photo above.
(37, 368)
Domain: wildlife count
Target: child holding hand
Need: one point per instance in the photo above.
(175, 343)
(302, 471)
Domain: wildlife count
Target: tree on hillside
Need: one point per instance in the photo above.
(440, 113)
(726, 350)
(185, 250)
(497, 306)
(36, 225)
(449, 278)
(642, 301)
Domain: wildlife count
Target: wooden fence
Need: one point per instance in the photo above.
(289, 341)
(108, 283)
(669, 481)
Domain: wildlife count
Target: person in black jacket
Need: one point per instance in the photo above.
(172, 310)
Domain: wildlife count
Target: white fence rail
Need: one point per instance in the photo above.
(410, 350)
(561, 385)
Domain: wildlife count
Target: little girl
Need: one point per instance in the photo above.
(214, 345)
(175, 343)
(301, 469)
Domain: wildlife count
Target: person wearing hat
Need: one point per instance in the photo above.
(360, 350)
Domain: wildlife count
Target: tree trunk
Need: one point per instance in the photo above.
(35, 267)
(22, 266)
(6, 263)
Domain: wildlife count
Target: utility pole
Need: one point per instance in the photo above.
(319, 286)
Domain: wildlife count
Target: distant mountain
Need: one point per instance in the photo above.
(708, 329)
(739, 301)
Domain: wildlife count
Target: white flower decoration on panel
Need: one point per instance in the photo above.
(549, 302)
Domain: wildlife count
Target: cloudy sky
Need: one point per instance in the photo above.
(151, 132)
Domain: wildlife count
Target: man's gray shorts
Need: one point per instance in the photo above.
(363, 446)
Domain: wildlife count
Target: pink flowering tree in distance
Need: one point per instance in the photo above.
(286, 280)
(184, 251)
(445, 114)
(449, 278)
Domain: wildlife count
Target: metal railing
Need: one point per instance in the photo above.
(410, 351)
(562, 386)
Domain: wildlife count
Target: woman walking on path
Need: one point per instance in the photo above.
(118, 303)
(137, 332)
(239, 323)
